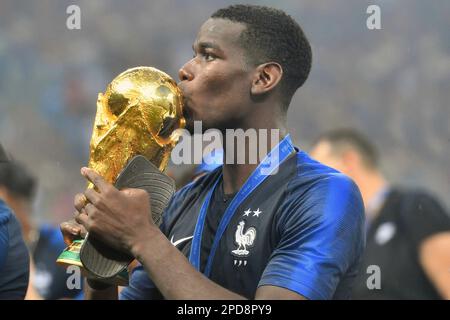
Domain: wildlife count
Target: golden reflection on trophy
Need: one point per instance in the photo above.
(137, 115)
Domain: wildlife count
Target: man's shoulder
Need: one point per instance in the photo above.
(311, 176)
(5, 213)
(416, 194)
(415, 204)
(413, 199)
(14, 258)
(5, 216)
(320, 193)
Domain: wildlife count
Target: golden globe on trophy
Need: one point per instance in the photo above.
(134, 133)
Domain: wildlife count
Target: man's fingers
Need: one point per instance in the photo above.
(71, 231)
(80, 201)
(68, 239)
(83, 219)
(83, 232)
(96, 179)
(74, 228)
(90, 209)
(92, 196)
(67, 227)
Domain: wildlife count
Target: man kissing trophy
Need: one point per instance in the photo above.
(134, 133)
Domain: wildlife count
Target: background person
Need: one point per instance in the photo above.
(47, 279)
(14, 257)
(408, 230)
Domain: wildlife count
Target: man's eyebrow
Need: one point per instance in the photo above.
(205, 45)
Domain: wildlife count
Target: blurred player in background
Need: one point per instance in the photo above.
(408, 234)
(45, 242)
(14, 258)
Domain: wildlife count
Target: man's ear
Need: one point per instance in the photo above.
(266, 77)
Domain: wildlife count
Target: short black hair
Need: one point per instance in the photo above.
(342, 138)
(3, 157)
(16, 178)
(272, 35)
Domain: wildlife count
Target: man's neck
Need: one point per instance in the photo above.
(370, 186)
(236, 173)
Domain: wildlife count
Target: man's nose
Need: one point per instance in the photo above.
(185, 74)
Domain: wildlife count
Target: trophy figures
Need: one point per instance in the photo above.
(134, 133)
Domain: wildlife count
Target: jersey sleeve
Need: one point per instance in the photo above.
(15, 267)
(321, 235)
(140, 287)
(4, 238)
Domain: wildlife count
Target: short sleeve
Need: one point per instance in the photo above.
(423, 216)
(15, 267)
(4, 242)
(140, 287)
(321, 238)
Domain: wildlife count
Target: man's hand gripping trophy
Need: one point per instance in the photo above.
(133, 135)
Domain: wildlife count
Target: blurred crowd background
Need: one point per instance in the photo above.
(392, 84)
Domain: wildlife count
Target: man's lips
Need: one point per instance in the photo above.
(187, 112)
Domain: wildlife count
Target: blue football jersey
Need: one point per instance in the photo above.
(301, 229)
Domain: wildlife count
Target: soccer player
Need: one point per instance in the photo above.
(408, 236)
(45, 242)
(237, 232)
(14, 258)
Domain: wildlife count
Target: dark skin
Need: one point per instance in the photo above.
(223, 91)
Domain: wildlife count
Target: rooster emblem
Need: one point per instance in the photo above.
(243, 239)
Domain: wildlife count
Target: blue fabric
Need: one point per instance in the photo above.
(323, 235)
(210, 162)
(140, 287)
(51, 279)
(310, 234)
(5, 215)
(14, 257)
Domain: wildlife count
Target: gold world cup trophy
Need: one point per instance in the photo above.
(133, 135)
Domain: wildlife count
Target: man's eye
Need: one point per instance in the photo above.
(208, 56)
(204, 55)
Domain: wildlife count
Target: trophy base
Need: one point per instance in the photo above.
(98, 260)
(71, 257)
